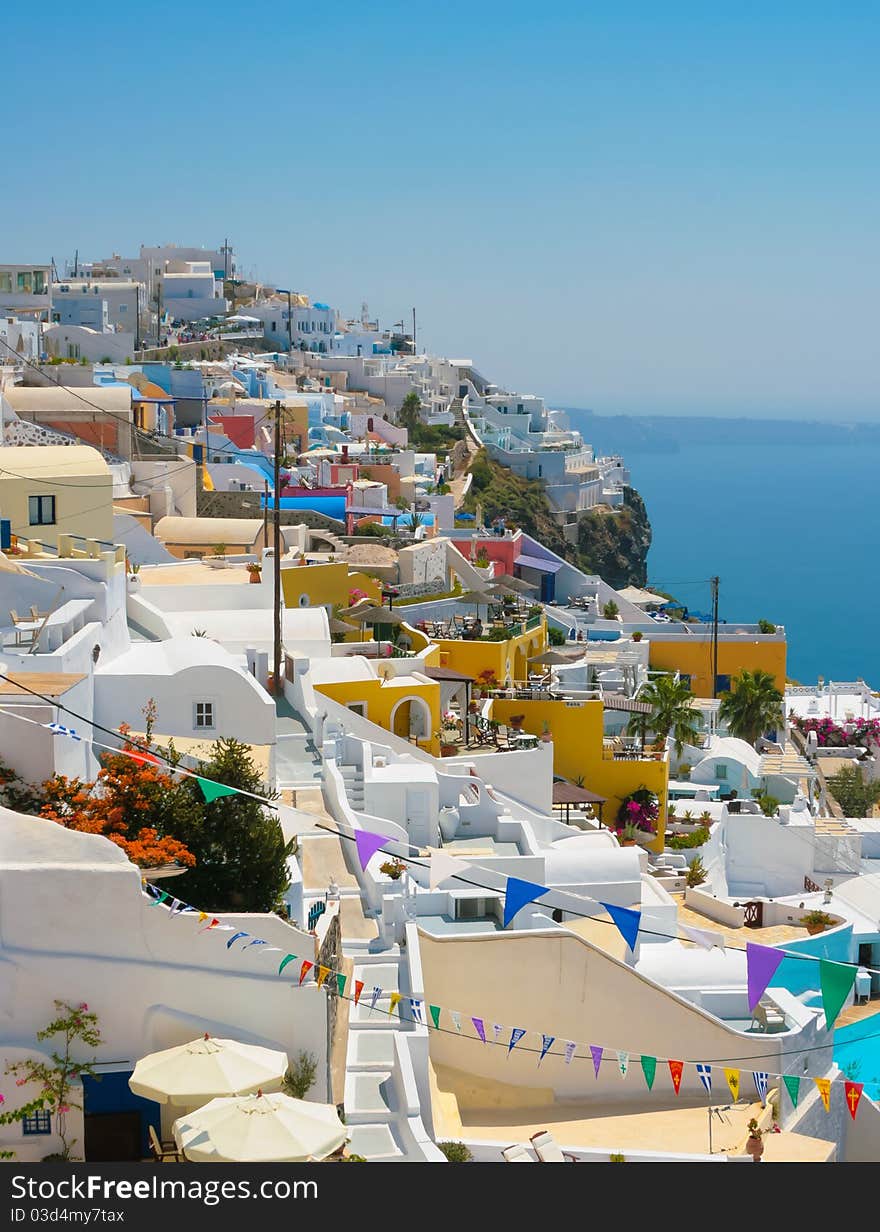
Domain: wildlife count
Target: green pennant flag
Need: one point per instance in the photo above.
(649, 1069)
(435, 1014)
(792, 1085)
(213, 791)
(835, 980)
(340, 983)
(288, 958)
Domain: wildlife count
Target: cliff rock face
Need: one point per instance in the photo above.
(615, 544)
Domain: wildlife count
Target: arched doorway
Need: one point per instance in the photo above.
(411, 718)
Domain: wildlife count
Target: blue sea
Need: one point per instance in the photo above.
(785, 513)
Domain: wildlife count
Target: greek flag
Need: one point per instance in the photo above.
(415, 1008)
(705, 1075)
(60, 730)
(761, 1083)
(456, 1018)
(374, 996)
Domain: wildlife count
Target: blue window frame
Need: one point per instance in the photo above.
(37, 1123)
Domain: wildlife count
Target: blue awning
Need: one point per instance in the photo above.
(537, 562)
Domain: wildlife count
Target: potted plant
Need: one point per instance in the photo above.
(628, 834)
(393, 869)
(755, 1141)
(706, 817)
(516, 721)
(254, 571)
(637, 636)
(817, 921)
(546, 734)
(696, 873)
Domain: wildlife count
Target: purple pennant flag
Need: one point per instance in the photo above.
(761, 964)
(570, 1050)
(546, 1044)
(368, 844)
(516, 1035)
(480, 1028)
(596, 1054)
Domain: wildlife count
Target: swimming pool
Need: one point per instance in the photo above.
(857, 1052)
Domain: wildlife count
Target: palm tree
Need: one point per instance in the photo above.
(671, 713)
(753, 706)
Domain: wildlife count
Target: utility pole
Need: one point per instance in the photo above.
(266, 512)
(277, 557)
(415, 352)
(714, 582)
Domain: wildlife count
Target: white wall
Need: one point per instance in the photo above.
(761, 852)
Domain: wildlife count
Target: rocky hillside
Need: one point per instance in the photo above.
(613, 544)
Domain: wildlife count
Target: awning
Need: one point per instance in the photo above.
(537, 562)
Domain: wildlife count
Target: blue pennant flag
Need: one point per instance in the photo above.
(517, 893)
(546, 1045)
(516, 1034)
(705, 1075)
(627, 922)
(235, 937)
(762, 1080)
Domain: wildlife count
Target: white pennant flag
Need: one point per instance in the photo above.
(443, 867)
(456, 1018)
(570, 1050)
(703, 937)
(497, 1028)
(623, 1062)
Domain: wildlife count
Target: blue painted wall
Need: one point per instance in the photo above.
(110, 1093)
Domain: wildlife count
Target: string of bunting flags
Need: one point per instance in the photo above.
(836, 978)
(568, 1049)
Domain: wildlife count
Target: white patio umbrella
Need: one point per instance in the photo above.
(193, 1073)
(259, 1129)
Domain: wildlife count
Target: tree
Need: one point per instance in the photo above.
(610, 610)
(300, 1076)
(753, 706)
(409, 415)
(672, 713)
(855, 797)
(241, 855)
(58, 1081)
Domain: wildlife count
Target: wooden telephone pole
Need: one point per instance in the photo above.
(276, 563)
(714, 582)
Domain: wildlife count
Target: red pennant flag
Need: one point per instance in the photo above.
(213, 924)
(358, 989)
(675, 1071)
(304, 970)
(143, 757)
(853, 1093)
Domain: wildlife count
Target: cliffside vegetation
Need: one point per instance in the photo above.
(611, 543)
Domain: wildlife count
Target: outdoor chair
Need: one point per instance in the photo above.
(164, 1152)
(517, 1154)
(548, 1150)
(768, 1017)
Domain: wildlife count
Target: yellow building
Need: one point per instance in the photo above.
(327, 584)
(194, 538)
(52, 490)
(692, 657)
(579, 751)
(407, 705)
(507, 660)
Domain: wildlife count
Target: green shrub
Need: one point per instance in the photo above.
(766, 626)
(610, 610)
(768, 804)
(300, 1076)
(696, 873)
(555, 636)
(681, 842)
(455, 1152)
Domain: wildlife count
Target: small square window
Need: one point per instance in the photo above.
(720, 770)
(37, 1123)
(41, 510)
(204, 714)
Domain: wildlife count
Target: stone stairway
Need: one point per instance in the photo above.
(353, 777)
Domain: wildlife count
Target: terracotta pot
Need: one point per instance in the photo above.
(256, 577)
(755, 1148)
(812, 929)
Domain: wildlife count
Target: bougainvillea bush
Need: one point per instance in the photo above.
(641, 809)
(831, 735)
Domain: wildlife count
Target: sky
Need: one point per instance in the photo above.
(645, 208)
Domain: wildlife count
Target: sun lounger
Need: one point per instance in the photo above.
(517, 1154)
(548, 1150)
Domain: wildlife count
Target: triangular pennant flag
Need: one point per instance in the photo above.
(497, 1028)
(824, 1087)
(256, 941)
(836, 981)
(236, 937)
(793, 1086)
(596, 1053)
(177, 906)
(340, 983)
(203, 915)
(649, 1069)
(732, 1076)
(368, 844)
(480, 1028)
(570, 1050)
(675, 1071)
(703, 937)
(516, 1035)
(151, 757)
(443, 867)
(853, 1093)
(392, 1005)
(517, 893)
(546, 1045)
(704, 1073)
(415, 1009)
(456, 1019)
(374, 996)
(288, 958)
(323, 972)
(623, 1063)
(434, 1011)
(160, 898)
(761, 964)
(213, 791)
(627, 922)
(305, 969)
(213, 924)
(762, 1081)
(358, 989)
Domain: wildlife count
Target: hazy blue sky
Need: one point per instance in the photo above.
(646, 207)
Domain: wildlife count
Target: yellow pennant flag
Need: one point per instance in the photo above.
(824, 1085)
(395, 998)
(732, 1076)
(323, 972)
(207, 481)
(203, 915)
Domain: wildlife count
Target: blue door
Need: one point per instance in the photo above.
(113, 1115)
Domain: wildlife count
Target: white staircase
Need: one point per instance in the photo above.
(353, 777)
